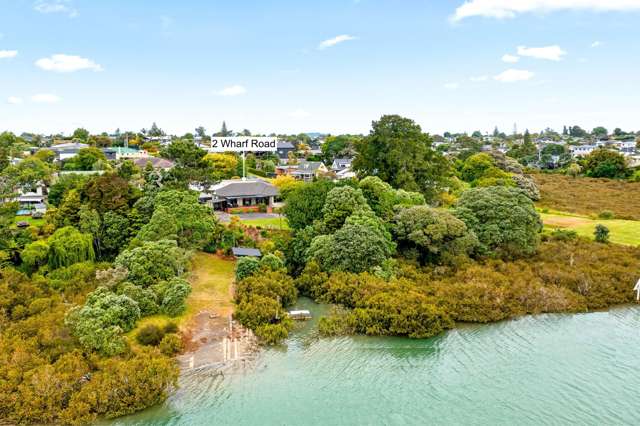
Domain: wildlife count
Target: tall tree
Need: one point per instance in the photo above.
(397, 151)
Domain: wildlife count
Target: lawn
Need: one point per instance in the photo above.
(211, 279)
(621, 231)
(270, 222)
(31, 221)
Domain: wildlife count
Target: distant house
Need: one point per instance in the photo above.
(345, 174)
(65, 151)
(582, 150)
(156, 163)
(120, 153)
(307, 170)
(244, 195)
(315, 148)
(284, 148)
(341, 164)
(28, 200)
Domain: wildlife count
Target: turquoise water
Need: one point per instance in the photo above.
(542, 370)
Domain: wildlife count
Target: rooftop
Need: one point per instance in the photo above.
(241, 188)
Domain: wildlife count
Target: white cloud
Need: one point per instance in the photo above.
(451, 86)
(597, 43)
(336, 40)
(14, 100)
(234, 90)
(551, 53)
(502, 9)
(55, 6)
(46, 98)
(299, 113)
(512, 59)
(479, 78)
(6, 54)
(512, 75)
(67, 63)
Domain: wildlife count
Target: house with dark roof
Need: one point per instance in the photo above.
(307, 170)
(284, 148)
(243, 195)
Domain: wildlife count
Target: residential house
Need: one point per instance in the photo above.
(64, 151)
(121, 153)
(284, 148)
(156, 163)
(307, 170)
(582, 150)
(241, 195)
(341, 164)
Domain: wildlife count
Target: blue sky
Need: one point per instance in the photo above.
(262, 65)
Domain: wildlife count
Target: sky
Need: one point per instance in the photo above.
(329, 66)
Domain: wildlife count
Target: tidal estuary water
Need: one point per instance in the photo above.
(536, 370)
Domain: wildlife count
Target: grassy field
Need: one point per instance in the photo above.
(211, 279)
(271, 222)
(621, 231)
(28, 219)
(588, 196)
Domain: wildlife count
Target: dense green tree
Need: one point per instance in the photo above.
(476, 166)
(606, 163)
(62, 185)
(179, 215)
(145, 298)
(152, 262)
(504, 220)
(342, 202)
(353, 248)
(115, 233)
(305, 203)
(99, 323)
(599, 132)
(29, 173)
(80, 134)
(68, 246)
(173, 295)
(601, 233)
(245, 267)
(397, 151)
(128, 169)
(109, 192)
(338, 147)
(86, 159)
(436, 235)
(35, 254)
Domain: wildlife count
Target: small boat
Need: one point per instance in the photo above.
(302, 314)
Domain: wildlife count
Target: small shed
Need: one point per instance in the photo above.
(245, 252)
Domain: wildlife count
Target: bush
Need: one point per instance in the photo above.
(246, 267)
(272, 262)
(170, 344)
(170, 327)
(606, 215)
(564, 234)
(174, 295)
(272, 334)
(353, 248)
(504, 220)
(601, 234)
(150, 335)
(439, 236)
